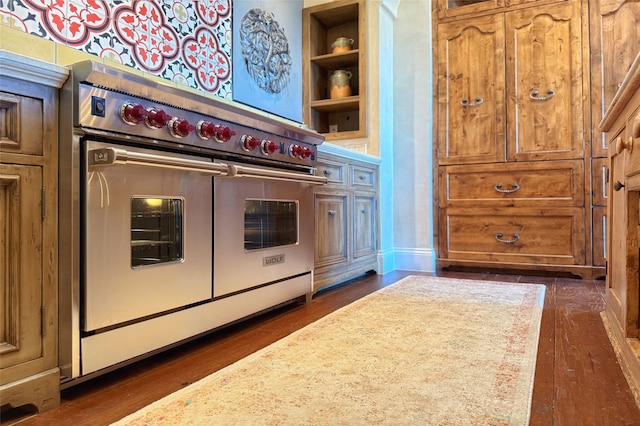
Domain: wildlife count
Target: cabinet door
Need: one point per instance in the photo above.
(364, 220)
(471, 91)
(20, 271)
(599, 227)
(617, 237)
(331, 229)
(544, 86)
(615, 41)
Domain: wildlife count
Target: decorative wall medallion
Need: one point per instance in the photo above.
(267, 55)
(265, 50)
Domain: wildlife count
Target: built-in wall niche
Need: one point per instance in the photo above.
(334, 57)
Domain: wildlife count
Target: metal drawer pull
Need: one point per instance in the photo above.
(534, 95)
(515, 237)
(327, 172)
(465, 102)
(514, 188)
(332, 212)
(362, 177)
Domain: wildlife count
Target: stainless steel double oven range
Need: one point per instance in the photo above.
(179, 214)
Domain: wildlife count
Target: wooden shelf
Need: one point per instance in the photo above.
(337, 60)
(350, 103)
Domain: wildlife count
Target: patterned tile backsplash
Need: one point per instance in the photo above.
(187, 42)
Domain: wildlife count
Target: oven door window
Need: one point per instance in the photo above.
(270, 223)
(156, 230)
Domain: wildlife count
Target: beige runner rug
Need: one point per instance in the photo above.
(423, 351)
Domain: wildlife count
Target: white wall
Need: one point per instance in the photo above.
(413, 106)
(406, 189)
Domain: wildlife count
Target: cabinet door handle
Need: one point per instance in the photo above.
(617, 185)
(534, 95)
(514, 188)
(465, 102)
(622, 145)
(326, 172)
(515, 238)
(332, 212)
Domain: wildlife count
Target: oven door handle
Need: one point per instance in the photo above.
(254, 172)
(109, 156)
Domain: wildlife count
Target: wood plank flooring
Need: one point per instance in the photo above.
(578, 380)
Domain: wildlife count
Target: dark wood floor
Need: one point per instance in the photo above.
(578, 380)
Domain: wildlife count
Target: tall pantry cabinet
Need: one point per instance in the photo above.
(512, 135)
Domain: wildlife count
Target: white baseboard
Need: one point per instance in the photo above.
(386, 261)
(415, 259)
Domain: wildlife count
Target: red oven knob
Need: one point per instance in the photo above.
(179, 127)
(295, 151)
(157, 118)
(223, 133)
(206, 129)
(269, 147)
(249, 143)
(133, 113)
(306, 152)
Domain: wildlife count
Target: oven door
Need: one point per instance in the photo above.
(263, 228)
(147, 234)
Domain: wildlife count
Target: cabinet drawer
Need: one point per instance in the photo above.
(333, 171)
(514, 235)
(540, 184)
(363, 176)
(22, 124)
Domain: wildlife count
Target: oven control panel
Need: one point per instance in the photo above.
(147, 120)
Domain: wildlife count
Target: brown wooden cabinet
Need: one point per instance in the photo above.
(622, 126)
(29, 373)
(538, 101)
(512, 136)
(346, 220)
(341, 117)
(615, 39)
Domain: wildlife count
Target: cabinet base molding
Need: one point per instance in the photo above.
(584, 272)
(329, 278)
(627, 351)
(41, 391)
